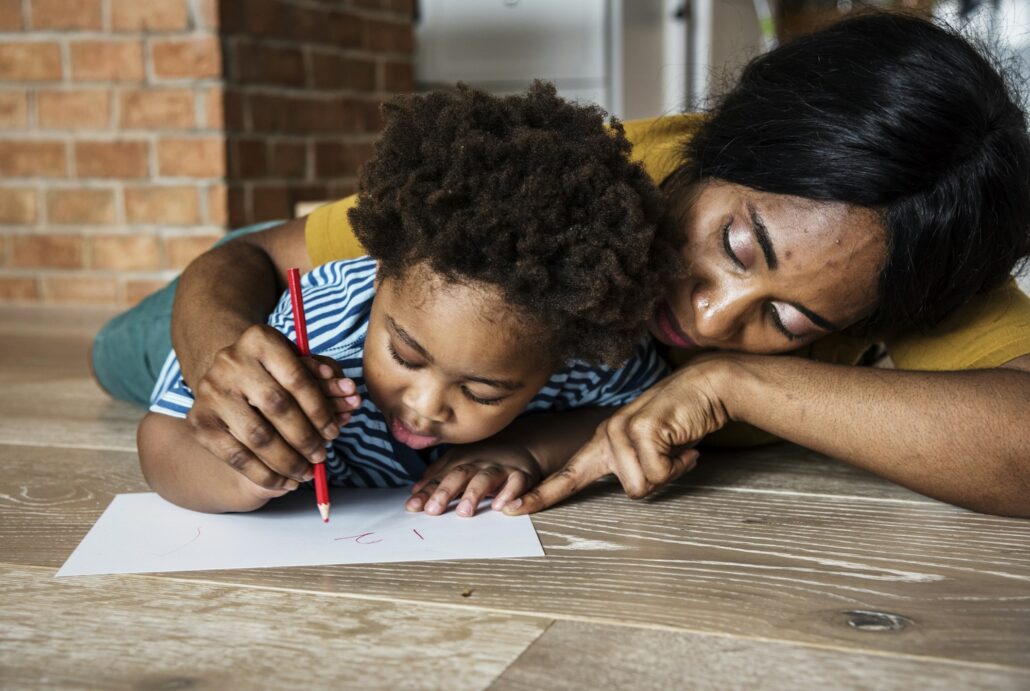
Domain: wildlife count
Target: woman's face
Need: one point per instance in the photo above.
(768, 273)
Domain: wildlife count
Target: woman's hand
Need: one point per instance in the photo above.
(475, 471)
(646, 444)
(268, 413)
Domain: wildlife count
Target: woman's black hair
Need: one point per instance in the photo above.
(893, 113)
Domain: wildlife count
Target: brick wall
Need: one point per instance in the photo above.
(134, 132)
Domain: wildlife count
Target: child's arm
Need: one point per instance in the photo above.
(185, 473)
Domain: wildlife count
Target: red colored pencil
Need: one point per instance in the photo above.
(300, 326)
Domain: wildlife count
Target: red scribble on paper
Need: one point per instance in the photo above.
(418, 533)
(358, 539)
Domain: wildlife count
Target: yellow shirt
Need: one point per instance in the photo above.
(987, 332)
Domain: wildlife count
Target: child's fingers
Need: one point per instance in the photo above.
(517, 484)
(420, 496)
(482, 484)
(323, 367)
(456, 479)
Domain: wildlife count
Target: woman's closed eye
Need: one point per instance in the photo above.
(791, 321)
(738, 245)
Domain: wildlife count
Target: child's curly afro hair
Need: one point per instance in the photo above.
(528, 193)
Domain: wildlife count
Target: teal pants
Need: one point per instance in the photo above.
(130, 350)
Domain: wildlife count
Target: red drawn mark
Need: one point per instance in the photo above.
(358, 539)
(418, 533)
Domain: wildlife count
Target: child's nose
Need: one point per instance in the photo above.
(426, 398)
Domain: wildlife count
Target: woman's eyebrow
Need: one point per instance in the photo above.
(762, 235)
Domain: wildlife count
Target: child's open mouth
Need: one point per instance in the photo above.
(410, 438)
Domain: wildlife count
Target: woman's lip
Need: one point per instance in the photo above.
(670, 328)
(409, 437)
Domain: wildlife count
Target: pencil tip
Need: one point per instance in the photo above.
(324, 510)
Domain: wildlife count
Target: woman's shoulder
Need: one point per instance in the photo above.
(658, 142)
(328, 233)
(988, 331)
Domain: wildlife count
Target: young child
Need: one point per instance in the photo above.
(514, 255)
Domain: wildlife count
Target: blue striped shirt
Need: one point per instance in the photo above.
(337, 304)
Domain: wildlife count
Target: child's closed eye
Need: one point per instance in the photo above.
(477, 399)
(398, 359)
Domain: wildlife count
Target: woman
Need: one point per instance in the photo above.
(869, 183)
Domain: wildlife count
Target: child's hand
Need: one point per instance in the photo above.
(475, 471)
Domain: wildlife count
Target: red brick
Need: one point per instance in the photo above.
(26, 62)
(183, 249)
(32, 158)
(149, 15)
(248, 158)
(157, 109)
(74, 110)
(214, 109)
(47, 251)
(217, 206)
(119, 61)
(195, 158)
(208, 14)
(333, 159)
(398, 77)
(125, 252)
(260, 64)
(18, 288)
(10, 15)
(66, 14)
(118, 159)
(81, 289)
(138, 288)
(330, 71)
(270, 113)
(171, 205)
(288, 160)
(17, 205)
(84, 205)
(187, 57)
(389, 37)
(346, 30)
(271, 203)
(233, 110)
(14, 109)
(236, 204)
(266, 19)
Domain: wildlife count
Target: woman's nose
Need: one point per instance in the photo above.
(718, 309)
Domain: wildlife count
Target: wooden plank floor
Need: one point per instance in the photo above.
(775, 568)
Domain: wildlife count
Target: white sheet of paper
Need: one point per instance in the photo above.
(142, 533)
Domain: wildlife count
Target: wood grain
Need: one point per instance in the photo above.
(777, 545)
(593, 656)
(146, 633)
(752, 565)
(701, 559)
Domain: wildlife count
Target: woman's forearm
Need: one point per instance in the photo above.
(961, 437)
(220, 295)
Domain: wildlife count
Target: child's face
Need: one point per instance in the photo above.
(448, 363)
